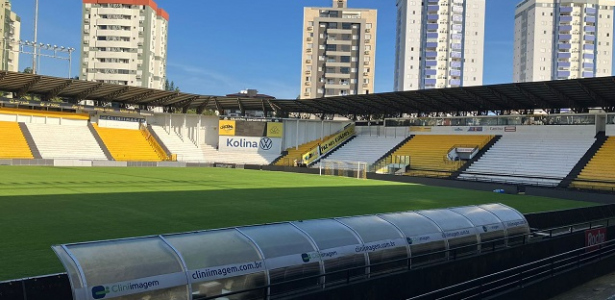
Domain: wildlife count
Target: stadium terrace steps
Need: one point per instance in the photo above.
(65, 142)
(530, 159)
(297, 152)
(598, 173)
(365, 148)
(100, 142)
(185, 149)
(477, 157)
(428, 153)
(127, 144)
(328, 154)
(26, 134)
(13, 144)
(578, 168)
(392, 150)
(212, 155)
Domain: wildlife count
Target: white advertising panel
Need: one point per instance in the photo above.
(264, 145)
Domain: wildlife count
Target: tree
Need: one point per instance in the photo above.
(27, 70)
(170, 86)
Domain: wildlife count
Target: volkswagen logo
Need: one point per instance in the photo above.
(266, 143)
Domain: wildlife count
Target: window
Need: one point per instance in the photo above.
(331, 47)
(346, 26)
(368, 25)
(345, 59)
(345, 70)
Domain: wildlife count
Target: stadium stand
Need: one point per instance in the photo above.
(13, 144)
(212, 155)
(428, 153)
(365, 148)
(530, 159)
(185, 149)
(296, 152)
(127, 144)
(65, 142)
(599, 172)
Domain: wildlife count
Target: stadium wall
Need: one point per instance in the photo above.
(610, 130)
(382, 131)
(203, 129)
(41, 120)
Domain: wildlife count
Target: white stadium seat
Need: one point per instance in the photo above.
(65, 142)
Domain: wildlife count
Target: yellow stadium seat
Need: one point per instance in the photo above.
(127, 144)
(12, 142)
(428, 153)
(599, 173)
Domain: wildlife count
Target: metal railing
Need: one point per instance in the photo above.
(521, 276)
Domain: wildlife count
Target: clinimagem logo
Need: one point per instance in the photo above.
(100, 292)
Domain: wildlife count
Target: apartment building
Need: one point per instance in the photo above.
(439, 44)
(563, 39)
(124, 42)
(339, 51)
(10, 33)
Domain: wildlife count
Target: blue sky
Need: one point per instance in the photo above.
(214, 51)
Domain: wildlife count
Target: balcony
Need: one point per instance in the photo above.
(589, 37)
(589, 47)
(588, 66)
(431, 54)
(456, 64)
(456, 46)
(589, 28)
(564, 46)
(457, 37)
(430, 81)
(588, 56)
(588, 74)
(563, 64)
(431, 72)
(565, 9)
(455, 54)
(565, 27)
(458, 28)
(457, 19)
(431, 63)
(590, 19)
(456, 73)
(432, 17)
(566, 19)
(563, 74)
(590, 10)
(564, 37)
(433, 8)
(432, 35)
(564, 55)
(432, 26)
(455, 82)
(431, 45)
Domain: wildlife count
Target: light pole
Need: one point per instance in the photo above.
(55, 50)
(35, 52)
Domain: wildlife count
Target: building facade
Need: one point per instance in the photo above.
(563, 39)
(124, 42)
(339, 51)
(10, 32)
(439, 44)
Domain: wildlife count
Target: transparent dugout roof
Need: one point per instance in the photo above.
(214, 248)
(117, 268)
(371, 228)
(328, 233)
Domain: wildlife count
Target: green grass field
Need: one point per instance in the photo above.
(42, 206)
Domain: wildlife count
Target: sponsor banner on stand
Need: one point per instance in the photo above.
(420, 129)
(226, 128)
(275, 129)
(329, 144)
(137, 286)
(251, 144)
(593, 238)
(122, 119)
(69, 106)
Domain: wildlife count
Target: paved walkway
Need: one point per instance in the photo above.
(602, 288)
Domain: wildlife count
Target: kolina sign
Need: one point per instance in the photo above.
(250, 144)
(328, 145)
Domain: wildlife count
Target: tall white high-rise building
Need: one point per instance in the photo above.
(339, 51)
(563, 39)
(439, 44)
(124, 42)
(9, 35)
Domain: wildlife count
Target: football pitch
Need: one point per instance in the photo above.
(43, 206)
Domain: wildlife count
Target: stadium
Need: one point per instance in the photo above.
(121, 202)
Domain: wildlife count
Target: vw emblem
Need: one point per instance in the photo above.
(266, 143)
